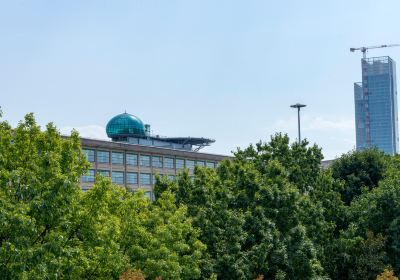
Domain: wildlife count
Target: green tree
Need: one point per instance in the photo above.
(250, 211)
(301, 162)
(208, 204)
(351, 253)
(278, 244)
(39, 181)
(159, 238)
(356, 257)
(358, 170)
(50, 229)
(96, 231)
(271, 211)
(379, 211)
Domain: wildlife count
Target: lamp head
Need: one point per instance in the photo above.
(298, 105)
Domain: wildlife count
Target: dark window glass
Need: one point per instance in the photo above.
(132, 178)
(117, 158)
(156, 161)
(144, 161)
(168, 163)
(118, 177)
(103, 157)
(145, 179)
(180, 163)
(131, 159)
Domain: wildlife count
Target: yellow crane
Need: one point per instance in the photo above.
(365, 49)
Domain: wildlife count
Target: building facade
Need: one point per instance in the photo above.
(375, 101)
(133, 157)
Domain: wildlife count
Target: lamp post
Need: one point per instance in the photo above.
(298, 106)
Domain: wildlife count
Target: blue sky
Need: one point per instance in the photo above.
(227, 70)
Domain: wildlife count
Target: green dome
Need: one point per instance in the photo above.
(125, 125)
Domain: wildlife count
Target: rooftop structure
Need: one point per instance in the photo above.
(134, 157)
(125, 125)
(129, 128)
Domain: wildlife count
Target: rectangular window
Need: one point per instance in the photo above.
(190, 164)
(145, 179)
(104, 173)
(168, 163)
(171, 177)
(156, 161)
(210, 164)
(180, 163)
(89, 154)
(117, 158)
(200, 163)
(132, 178)
(118, 177)
(103, 157)
(88, 177)
(131, 159)
(144, 161)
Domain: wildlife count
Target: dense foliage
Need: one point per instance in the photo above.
(50, 229)
(270, 212)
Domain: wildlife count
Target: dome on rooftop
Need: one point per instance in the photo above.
(125, 125)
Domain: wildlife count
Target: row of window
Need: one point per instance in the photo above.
(118, 177)
(144, 160)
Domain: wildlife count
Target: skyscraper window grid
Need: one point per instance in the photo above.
(376, 106)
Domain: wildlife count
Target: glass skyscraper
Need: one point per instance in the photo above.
(376, 105)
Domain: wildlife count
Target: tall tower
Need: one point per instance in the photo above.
(376, 105)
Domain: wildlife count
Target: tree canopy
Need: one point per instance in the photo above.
(269, 212)
(50, 229)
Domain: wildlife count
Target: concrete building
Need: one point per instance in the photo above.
(375, 101)
(133, 157)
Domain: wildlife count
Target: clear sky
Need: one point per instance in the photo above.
(227, 70)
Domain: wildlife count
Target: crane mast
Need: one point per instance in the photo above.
(365, 49)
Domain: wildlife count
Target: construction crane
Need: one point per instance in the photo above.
(365, 49)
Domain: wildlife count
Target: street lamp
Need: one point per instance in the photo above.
(298, 106)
